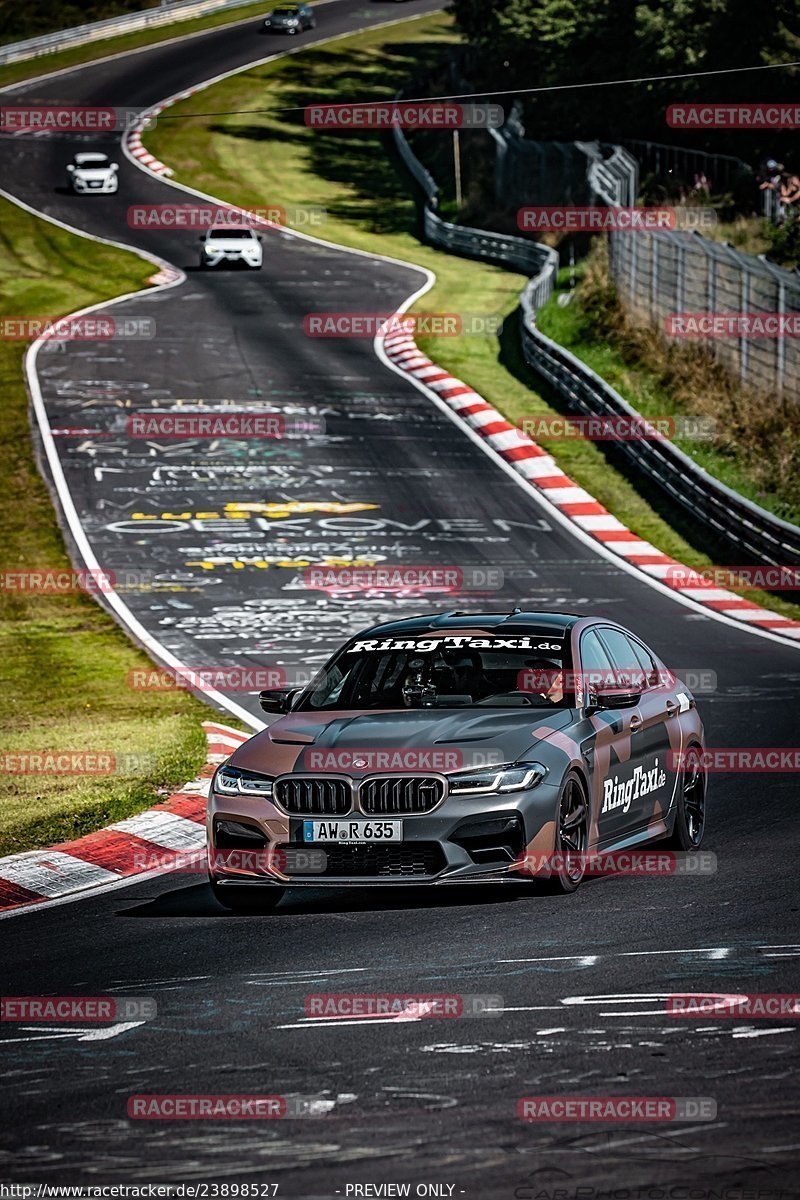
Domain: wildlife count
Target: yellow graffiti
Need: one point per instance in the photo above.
(274, 511)
(238, 564)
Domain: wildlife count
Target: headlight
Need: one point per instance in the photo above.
(508, 777)
(229, 781)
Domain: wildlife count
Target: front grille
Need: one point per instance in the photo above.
(330, 797)
(400, 794)
(392, 862)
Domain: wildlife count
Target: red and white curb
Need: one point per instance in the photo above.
(140, 152)
(540, 471)
(117, 852)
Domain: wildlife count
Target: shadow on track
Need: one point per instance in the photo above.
(198, 901)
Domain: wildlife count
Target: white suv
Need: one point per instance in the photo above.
(91, 172)
(232, 244)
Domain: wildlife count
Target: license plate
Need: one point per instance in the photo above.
(352, 831)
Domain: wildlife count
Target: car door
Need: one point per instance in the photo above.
(641, 788)
(609, 747)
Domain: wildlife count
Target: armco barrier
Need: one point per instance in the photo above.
(750, 531)
(79, 35)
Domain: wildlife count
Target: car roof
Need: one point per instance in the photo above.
(510, 621)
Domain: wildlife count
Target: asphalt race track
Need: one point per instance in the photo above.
(583, 978)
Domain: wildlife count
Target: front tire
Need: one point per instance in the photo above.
(247, 899)
(690, 817)
(572, 837)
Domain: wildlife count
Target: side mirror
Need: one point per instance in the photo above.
(115, 167)
(259, 237)
(606, 698)
(202, 237)
(277, 700)
(70, 167)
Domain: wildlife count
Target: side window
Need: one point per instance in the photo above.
(595, 663)
(627, 666)
(647, 662)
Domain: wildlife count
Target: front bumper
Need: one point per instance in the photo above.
(229, 256)
(465, 839)
(88, 187)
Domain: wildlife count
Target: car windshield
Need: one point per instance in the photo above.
(92, 160)
(234, 232)
(285, 12)
(459, 671)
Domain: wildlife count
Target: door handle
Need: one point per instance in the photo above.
(672, 708)
(636, 721)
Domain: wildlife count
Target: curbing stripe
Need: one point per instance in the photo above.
(117, 852)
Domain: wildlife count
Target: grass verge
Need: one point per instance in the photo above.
(258, 159)
(64, 663)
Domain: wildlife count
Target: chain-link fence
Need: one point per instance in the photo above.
(670, 278)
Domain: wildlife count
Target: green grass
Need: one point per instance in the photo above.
(265, 158)
(43, 64)
(64, 663)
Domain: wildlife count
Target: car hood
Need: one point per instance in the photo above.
(461, 739)
(283, 20)
(90, 173)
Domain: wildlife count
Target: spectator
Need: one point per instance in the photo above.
(789, 191)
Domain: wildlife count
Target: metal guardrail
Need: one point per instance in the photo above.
(530, 258)
(62, 39)
(751, 531)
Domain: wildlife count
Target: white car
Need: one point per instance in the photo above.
(91, 172)
(231, 244)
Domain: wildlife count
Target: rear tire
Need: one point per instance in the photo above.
(690, 817)
(247, 899)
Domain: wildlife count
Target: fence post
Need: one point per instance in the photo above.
(654, 281)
